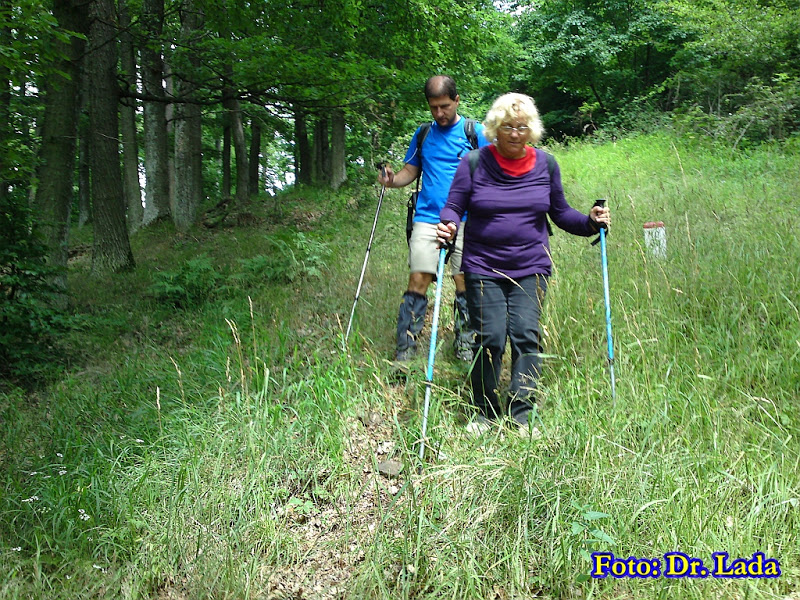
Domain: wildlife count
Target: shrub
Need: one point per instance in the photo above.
(30, 322)
(194, 282)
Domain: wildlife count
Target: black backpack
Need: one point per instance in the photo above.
(474, 156)
(424, 129)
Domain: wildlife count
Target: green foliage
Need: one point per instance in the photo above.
(231, 449)
(293, 256)
(604, 54)
(30, 323)
(192, 284)
(199, 280)
(737, 76)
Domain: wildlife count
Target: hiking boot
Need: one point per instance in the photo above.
(410, 320)
(464, 336)
(406, 354)
(478, 426)
(463, 350)
(525, 427)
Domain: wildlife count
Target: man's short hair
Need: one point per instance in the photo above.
(440, 85)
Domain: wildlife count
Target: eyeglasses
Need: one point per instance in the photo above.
(522, 129)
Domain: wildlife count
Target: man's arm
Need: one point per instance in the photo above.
(400, 179)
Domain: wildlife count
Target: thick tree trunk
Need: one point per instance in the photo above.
(302, 149)
(338, 158)
(255, 156)
(155, 121)
(234, 110)
(188, 132)
(169, 114)
(226, 156)
(112, 250)
(53, 198)
(84, 152)
(320, 169)
(130, 147)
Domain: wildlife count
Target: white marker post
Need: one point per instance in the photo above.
(655, 238)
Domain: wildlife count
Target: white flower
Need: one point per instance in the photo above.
(31, 499)
(59, 455)
(17, 549)
(62, 472)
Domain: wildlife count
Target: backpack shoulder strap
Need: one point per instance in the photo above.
(424, 130)
(551, 163)
(551, 166)
(473, 156)
(471, 133)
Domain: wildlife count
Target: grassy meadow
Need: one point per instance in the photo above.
(211, 438)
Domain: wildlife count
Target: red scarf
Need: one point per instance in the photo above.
(516, 166)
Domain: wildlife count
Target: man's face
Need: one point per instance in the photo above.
(444, 109)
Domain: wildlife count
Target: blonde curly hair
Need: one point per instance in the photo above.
(514, 107)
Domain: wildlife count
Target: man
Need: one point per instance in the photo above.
(442, 148)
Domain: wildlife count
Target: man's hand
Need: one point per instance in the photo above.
(385, 174)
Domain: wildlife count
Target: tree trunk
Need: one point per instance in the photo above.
(320, 170)
(5, 112)
(112, 249)
(338, 158)
(302, 149)
(130, 147)
(234, 110)
(84, 152)
(188, 132)
(53, 199)
(255, 156)
(226, 156)
(155, 120)
(169, 113)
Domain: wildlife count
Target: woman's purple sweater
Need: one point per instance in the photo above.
(506, 230)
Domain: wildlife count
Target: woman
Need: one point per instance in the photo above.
(506, 257)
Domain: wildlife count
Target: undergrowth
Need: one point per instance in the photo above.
(215, 438)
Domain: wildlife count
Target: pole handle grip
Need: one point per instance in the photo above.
(601, 202)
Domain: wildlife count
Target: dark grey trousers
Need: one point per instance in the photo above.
(501, 309)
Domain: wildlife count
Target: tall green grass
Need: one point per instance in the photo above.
(228, 447)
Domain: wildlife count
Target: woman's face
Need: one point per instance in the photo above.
(512, 135)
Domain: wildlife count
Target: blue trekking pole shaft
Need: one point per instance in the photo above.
(366, 259)
(432, 349)
(607, 297)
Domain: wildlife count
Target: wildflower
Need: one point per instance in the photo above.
(59, 455)
(31, 499)
(82, 514)
(62, 472)
(17, 549)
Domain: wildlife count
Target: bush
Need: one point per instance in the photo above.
(30, 322)
(191, 285)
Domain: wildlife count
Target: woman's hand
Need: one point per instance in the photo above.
(601, 215)
(445, 232)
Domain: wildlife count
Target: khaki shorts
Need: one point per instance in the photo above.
(423, 252)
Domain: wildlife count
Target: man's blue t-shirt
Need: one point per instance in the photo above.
(442, 150)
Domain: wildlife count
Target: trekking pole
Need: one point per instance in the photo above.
(604, 259)
(432, 351)
(366, 257)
